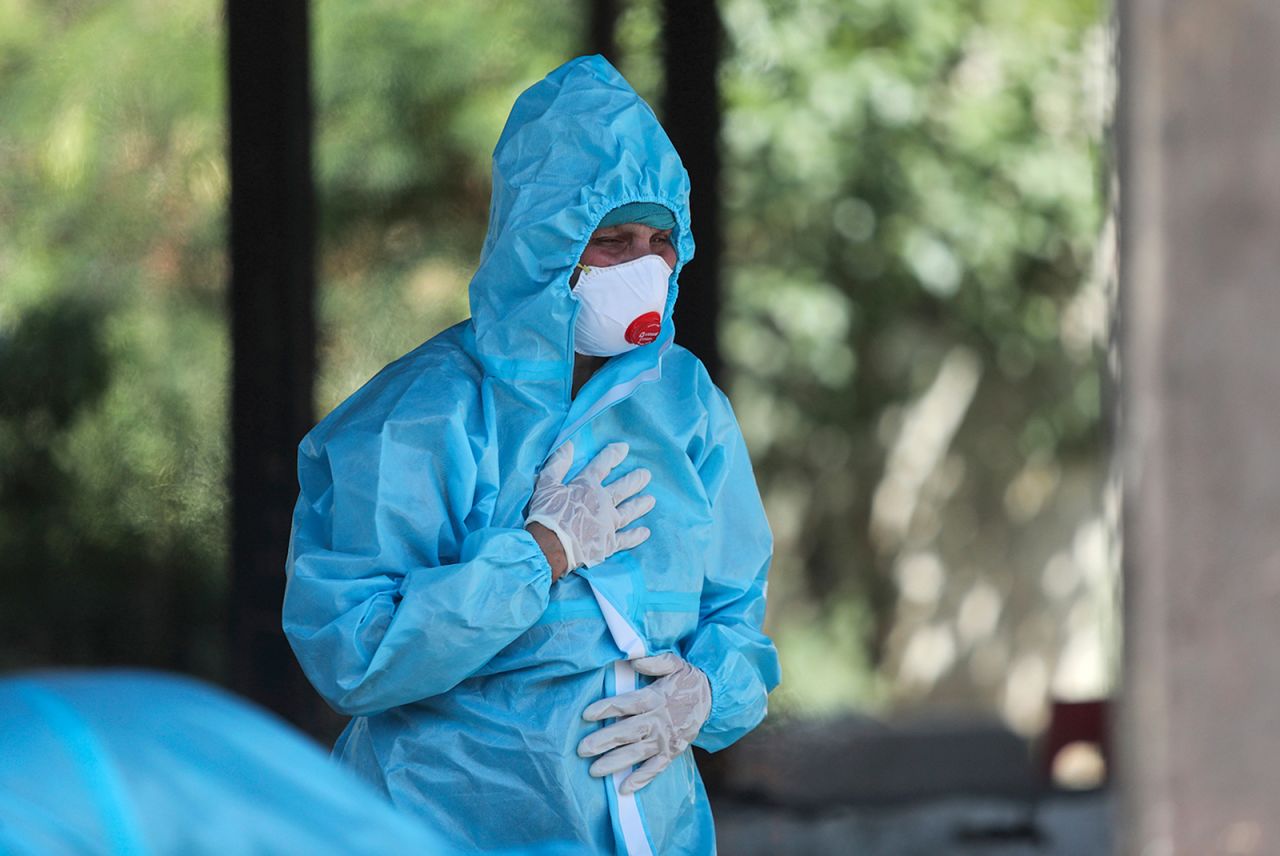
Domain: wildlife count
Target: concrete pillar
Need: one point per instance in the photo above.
(1200, 277)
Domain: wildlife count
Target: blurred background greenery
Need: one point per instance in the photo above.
(915, 313)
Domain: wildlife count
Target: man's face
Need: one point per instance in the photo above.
(614, 245)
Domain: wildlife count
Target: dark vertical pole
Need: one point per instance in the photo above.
(602, 29)
(692, 38)
(272, 332)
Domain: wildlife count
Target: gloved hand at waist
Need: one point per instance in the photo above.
(655, 724)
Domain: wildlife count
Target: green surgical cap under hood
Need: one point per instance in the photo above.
(646, 213)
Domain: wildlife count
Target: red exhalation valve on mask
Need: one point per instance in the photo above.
(644, 329)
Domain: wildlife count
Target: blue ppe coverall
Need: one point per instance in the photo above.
(416, 601)
(133, 763)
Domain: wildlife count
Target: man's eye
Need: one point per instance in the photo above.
(660, 239)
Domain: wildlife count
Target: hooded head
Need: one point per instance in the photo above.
(577, 145)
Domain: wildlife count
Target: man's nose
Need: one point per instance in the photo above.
(639, 250)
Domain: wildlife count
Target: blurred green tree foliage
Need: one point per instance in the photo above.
(914, 200)
(410, 101)
(113, 340)
(112, 347)
(910, 186)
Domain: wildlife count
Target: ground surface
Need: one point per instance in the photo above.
(1058, 825)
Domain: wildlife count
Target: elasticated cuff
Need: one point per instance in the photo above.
(565, 541)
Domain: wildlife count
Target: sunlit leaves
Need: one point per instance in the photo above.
(906, 179)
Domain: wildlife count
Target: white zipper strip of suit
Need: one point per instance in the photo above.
(624, 635)
(613, 396)
(633, 834)
(624, 681)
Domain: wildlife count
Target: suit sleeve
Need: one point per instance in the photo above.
(391, 596)
(729, 645)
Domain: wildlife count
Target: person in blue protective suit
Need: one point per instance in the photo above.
(529, 557)
(129, 762)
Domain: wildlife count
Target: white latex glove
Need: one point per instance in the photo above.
(658, 721)
(585, 514)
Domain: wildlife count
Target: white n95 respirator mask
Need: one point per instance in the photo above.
(622, 306)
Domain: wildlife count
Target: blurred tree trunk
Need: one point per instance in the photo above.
(1200, 198)
(602, 29)
(273, 335)
(691, 46)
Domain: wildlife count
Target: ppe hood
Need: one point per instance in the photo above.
(577, 144)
